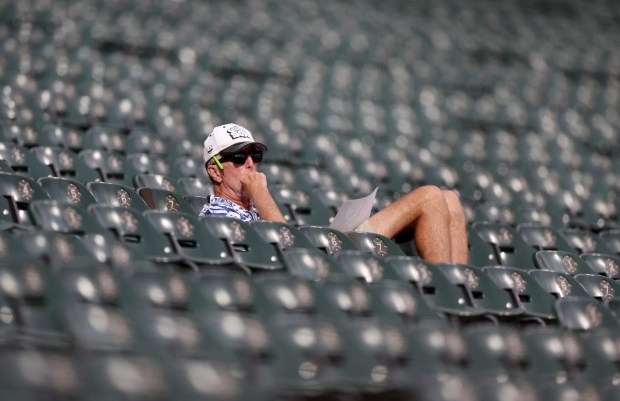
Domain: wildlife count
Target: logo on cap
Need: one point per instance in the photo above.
(236, 132)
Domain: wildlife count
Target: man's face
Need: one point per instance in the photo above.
(234, 169)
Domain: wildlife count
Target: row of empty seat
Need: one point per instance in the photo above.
(112, 287)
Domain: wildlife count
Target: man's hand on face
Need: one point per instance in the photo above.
(253, 183)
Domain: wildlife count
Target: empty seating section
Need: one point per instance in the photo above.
(113, 287)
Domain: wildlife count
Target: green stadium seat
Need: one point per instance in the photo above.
(109, 165)
(66, 163)
(599, 287)
(163, 200)
(22, 161)
(190, 239)
(525, 290)
(246, 245)
(19, 191)
(377, 244)
(117, 195)
(131, 227)
(561, 261)
(328, 239)
(66, 218)
(67, 190)
(605, 264)
(583, 314)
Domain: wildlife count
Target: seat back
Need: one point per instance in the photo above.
(605, 264)
(20, 191)
(22, 161)
(130, 226)
(117, 195)
(377, 244)
(599, 287)
(67, 190)
(61, 217)
(561, 261)
(579, 313)
(65, 163)
(328, 239)
(498, 244)
(484, 293)
(525, 290)
(281, 235)
(559, 284)
(247, 245)
(192, 240)
(301, 206)
(440, 293)
(163, 200)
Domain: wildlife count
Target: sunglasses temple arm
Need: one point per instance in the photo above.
(218, 163)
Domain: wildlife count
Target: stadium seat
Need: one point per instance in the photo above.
(108, 164)
(377, 244)
(62, 217)
(582, 241)
(194, 186)
(599, 287)
(99, 328)
(246, 245)
(152, 180)
(363, 266)
(130, 227)
(57, 249)
(495, 350)
(22, 161)
(525, 290)
(118, 195)
(582, 314)
(300, 206)
(19, 191)
(282, 235)
(610, 240)
(482, 291)
(327, 239)
(560, 261)
(599, 263)
(284, 294)
(54, 365)
(189, 237)
(497, 244)
(435, 348)
(436, 288)
(543, 237)
(104, 138)
(27, 286)
(310, 264)
(196, 202)
(66, 163)
(67, 190)
(163, 200)
(559, 284)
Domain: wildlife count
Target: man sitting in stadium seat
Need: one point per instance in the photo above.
(231, 158)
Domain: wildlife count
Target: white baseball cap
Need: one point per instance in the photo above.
(229, 139)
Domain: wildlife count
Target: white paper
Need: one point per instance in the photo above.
(354, 212)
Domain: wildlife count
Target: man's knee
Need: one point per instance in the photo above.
(433, 200)
(455, 207)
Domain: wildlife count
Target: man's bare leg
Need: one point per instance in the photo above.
(458, 228)
(426, 211)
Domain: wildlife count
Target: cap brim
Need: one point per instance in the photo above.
(242, 146)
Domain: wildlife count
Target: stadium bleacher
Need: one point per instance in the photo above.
(112, 287)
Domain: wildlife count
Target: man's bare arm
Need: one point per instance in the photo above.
(255, 185)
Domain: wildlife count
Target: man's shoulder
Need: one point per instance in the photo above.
(223, 207)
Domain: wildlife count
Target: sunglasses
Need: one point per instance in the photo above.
(240, 158)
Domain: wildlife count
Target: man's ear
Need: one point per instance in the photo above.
(214, 172)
